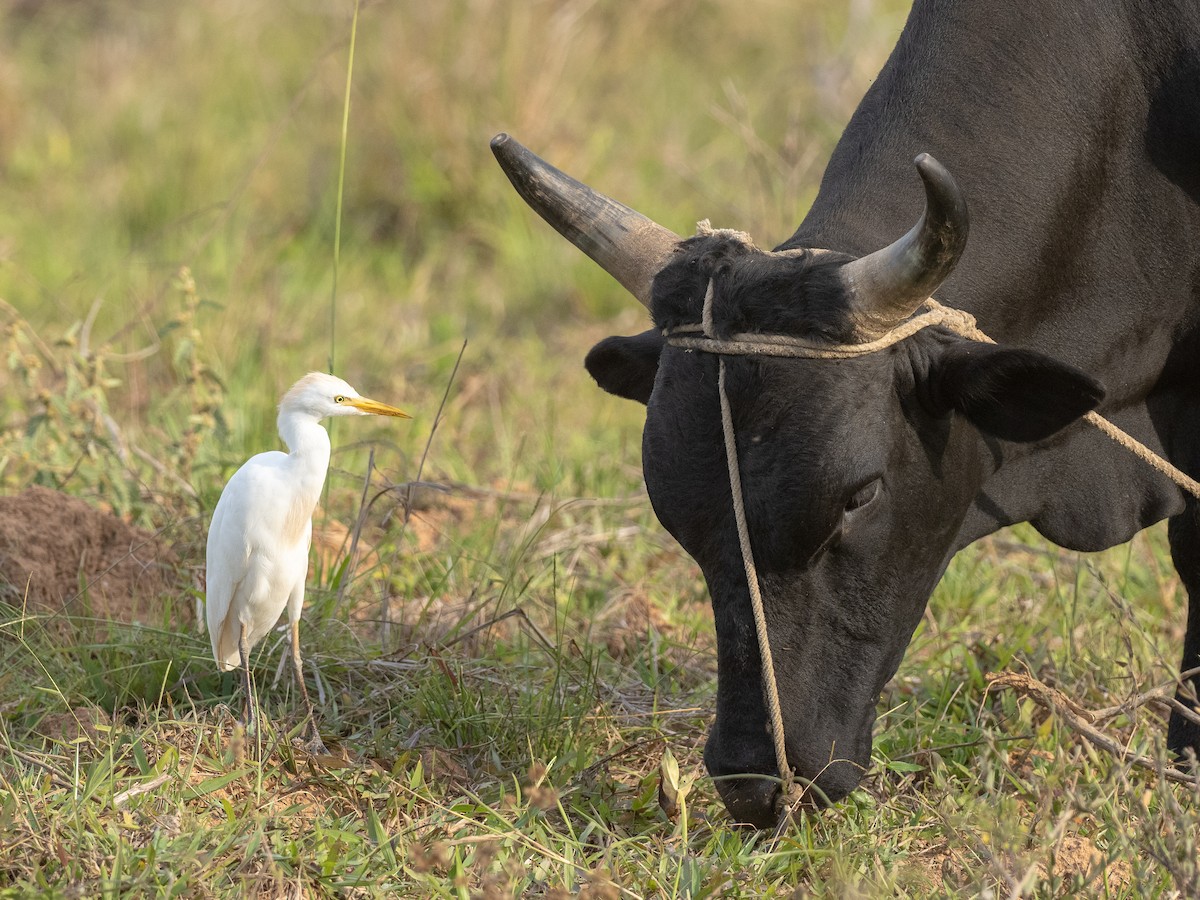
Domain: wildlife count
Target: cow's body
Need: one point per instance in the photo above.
(1073, 129)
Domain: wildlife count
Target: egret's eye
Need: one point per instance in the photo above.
(339, 399)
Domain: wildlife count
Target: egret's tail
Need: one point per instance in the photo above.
(225, 644)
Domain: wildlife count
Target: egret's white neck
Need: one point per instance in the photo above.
(308, 443)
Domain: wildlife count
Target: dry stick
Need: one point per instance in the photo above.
(963, 745)
(412, 485)
(348, 573)
(471, 490)
(1164, 692)
(65, 783)
(57, 777)
(138, 789)
(364, 505)
(538, 636)
(1080, 719)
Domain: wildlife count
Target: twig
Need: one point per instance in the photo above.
(536, 632)
(1184, 710)
(118, 799)
(162, 470)
(962, 745)
(412, 485)
(1162, 692)
(471, 490)
(348, 572)
(616, 754)
(579, 536)
(138, 789)
(437, 419)
(1080, 720)
(55, 775)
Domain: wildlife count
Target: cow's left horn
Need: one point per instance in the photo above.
(626, 244)
(888, 285)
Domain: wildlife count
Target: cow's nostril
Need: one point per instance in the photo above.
(750, 800)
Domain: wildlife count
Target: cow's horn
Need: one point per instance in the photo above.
(627, 245)
(888, 285)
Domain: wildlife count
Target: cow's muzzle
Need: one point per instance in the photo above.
(742, 765)
(756, 800)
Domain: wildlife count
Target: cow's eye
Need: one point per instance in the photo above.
(863, 495)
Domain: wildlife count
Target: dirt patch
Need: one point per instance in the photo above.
(1077, 857)
(86, 722)
(331, 541)
(437, 517)
(625, 622)
(58, 554)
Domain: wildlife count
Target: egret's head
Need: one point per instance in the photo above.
(320, 395)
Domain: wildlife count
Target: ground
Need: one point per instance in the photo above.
(60, 555)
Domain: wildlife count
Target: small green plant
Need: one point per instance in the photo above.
(58, 429)
(61, 430)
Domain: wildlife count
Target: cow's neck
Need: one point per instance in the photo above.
(1058, 193)
(1085, 226)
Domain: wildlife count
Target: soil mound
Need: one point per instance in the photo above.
(58, 554)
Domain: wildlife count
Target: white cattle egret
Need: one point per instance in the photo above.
(261, 529)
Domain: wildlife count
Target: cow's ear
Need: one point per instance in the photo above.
(626, 366)
(1014, 394)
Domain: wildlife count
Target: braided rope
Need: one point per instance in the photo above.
(699, 337)
(703, 338)
(775, 711)
(692, 337)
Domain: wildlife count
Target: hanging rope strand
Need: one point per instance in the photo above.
(756, 601)
(771, 689)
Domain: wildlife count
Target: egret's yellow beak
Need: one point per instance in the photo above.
(375, 408)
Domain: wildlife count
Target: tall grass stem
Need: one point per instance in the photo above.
(337, 221)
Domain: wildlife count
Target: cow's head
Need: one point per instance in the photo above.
(857, 473)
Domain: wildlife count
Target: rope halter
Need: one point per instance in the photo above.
(702, 337)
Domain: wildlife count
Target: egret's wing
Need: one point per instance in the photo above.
(242, 516)
(225, 564)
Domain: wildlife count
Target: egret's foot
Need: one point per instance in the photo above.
(312, 744)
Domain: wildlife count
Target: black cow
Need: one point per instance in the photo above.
(1073, 126)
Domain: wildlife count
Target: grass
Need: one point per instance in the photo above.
(504, 675)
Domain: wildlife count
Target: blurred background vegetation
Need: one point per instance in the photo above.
(140, 138)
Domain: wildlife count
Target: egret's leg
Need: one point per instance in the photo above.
(315, 744)
(250, 713)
